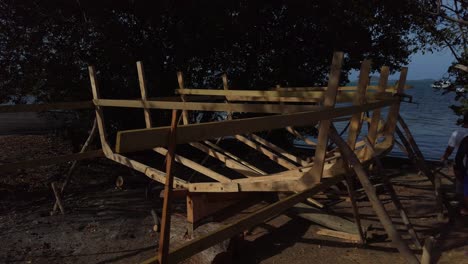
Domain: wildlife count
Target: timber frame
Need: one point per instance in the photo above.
(279, 108)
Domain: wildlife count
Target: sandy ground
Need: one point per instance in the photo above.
(104, 224)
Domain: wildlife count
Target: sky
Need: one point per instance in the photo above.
(424, 66)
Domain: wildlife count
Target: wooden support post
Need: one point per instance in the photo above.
(58, 199)
(374, 124)
(394, 196)
(359, 99)
(143, 91)
(351, 158)
(75, 163)
(315, 174)
(395, 108)
(164, 238)
(99, 114)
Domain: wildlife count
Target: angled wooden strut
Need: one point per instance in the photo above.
(378, 207)
(394, 196)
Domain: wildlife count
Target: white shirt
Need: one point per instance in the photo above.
(457, 137)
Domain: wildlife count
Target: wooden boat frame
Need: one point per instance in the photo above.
(284, 108)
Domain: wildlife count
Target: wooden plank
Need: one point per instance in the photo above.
(378, 207)
(342, 235)
(325, 219)
(164, 236)
(206, 106)
(374, 124)
(271, 96)
(279, 150)
(143, 91)
(141, 139)
(201, 243)
(269, 154)
(195, 166)
(315, 174)
(359, 99)
(46, 107)
(27, 164)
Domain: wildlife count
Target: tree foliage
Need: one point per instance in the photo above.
(45, 46)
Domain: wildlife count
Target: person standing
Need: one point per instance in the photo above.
(454, 142)
(461, 172)
(456, 138)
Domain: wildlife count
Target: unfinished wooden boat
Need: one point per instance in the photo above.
(287, 108)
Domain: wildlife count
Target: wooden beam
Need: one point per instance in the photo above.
(141, 139)
(206, 106)
(270, 96)
(235, 158)
(269, 154)
(228, 160)
(279, 150)
(342, 235)
(201, 243)
(27, 164)
(341, 88)
(46, 107)
(195, 166)
(359, 99)
(315, 174)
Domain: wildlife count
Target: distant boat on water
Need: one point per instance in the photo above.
(441, 84)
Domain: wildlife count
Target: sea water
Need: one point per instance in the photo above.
(429, 118)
